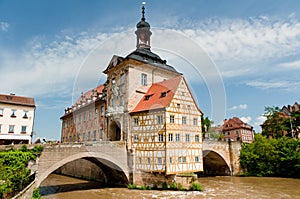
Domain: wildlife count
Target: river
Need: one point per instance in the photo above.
(62, 187)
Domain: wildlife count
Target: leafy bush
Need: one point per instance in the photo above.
(36, 194)
(173, 186)
(196, 186)
(143, 187)
(14, 175)
(131, 186)
(164, 185)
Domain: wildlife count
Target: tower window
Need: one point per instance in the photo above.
(144, 79)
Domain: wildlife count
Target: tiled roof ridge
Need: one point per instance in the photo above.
(16, 99)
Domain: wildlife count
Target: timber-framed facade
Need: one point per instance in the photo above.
(148, 105)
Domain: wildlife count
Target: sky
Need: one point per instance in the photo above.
(237, 56)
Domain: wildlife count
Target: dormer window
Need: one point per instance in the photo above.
(163, 94)
(147, 97)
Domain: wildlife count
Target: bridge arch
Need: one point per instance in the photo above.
(214, 163)
(95, 157)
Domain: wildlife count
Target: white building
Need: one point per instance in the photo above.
(16, 119)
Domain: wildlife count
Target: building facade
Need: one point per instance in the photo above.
(234, 129)
(16, 119)
(146, 103)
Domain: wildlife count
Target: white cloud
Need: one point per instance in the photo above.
(4, 26)
(246, 119)
(45, 70)
(239, 107)
(237, 45)
(290, 65)
(276, 84)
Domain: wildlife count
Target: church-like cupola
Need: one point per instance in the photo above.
(143, 32)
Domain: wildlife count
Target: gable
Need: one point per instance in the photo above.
(114, 62)
(183, 94)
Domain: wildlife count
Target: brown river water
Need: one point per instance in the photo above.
(62, 187)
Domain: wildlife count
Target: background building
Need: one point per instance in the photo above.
(235, 129)
(16, 119)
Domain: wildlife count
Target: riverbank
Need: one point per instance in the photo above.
(214, 187)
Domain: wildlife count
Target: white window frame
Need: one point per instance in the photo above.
(183, 120)
(187, 137)
(195, 121)
(160, 137)
(177, 137)
(170, 137)
(11, 128)
(172, 119)
(197, 138)
(135, 121)
(159, 119)
(144, 79)
(22, 128)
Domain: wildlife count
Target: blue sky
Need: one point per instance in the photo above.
(46, 48)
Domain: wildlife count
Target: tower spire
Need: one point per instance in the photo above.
(143, 12)
(143, 32)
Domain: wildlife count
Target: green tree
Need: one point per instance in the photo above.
(277, 124)
(271, 157)
(205, 124)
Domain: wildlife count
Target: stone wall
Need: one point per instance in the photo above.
(83, 169)
(149, 179)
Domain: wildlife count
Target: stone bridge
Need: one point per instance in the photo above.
(221, 158)
(111, 157)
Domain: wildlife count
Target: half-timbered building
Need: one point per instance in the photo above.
(148, 105)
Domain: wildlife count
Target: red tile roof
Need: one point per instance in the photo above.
(89, 94)
(155, 99)
(235, 123)
(17, 100)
